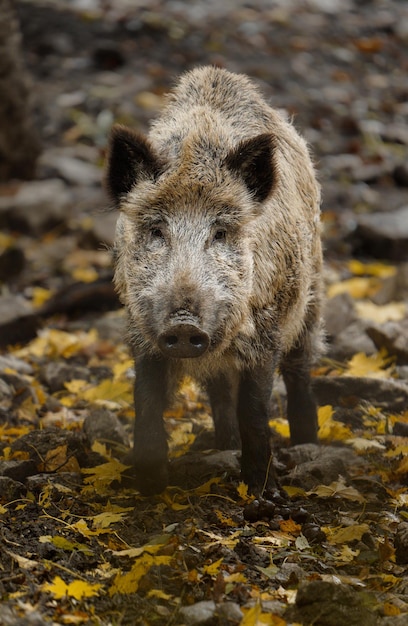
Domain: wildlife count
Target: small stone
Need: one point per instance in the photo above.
(229, 613)
(36, 206)
(339, 313)
(18, 470)
(329, 604)
(393, 337)
(103, 425)
(10, 489)
(11, 362)
(200, 613)
(384, 234)
(56, 374)
(351, 340)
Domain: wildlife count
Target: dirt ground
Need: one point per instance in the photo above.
(78, 544)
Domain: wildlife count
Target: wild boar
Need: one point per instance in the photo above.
(218, 262)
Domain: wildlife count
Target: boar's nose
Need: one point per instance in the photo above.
(183, 340)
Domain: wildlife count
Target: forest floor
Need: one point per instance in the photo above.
(78, 544)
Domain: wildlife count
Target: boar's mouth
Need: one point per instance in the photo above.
(183, 338)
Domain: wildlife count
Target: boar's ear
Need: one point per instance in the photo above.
(253, 160)
(130, 157)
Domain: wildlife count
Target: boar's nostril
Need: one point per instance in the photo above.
(183, 341)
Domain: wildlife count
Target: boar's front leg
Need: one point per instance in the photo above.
(150, 441)
(222, 391)
(253, 411)
(301, 405)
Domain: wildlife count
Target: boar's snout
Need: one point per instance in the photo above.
(183, 339)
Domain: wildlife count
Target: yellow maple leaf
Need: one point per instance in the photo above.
(360, 444)
(224, 519)
(122, 369)
(347, 534)
(373, 269)
(337, 488)
(402, 468)
(85, 274)
(76, 385)
(371, 366)
(158, 593)
(255, 617)
(82, 527)
(129, 582)
(65, 544)
(77, 589)
(357, 287)
(330, 428)
(103, 475)
(281, 426)
(55, 343)
(40, 296)
(391, 312)
(213, 568)
(104, 520)
(118, 392)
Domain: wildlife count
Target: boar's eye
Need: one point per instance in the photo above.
(156, 232)
(220, 235)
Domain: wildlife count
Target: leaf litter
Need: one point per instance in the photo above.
(80, 545)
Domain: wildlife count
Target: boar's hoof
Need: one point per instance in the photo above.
(183, 341)
(151, 480)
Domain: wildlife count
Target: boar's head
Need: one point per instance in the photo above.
(185, 239)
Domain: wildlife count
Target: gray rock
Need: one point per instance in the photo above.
(13, 306)
(389, 394)
(36, 205)
(111, 326)
(10, 489)
(351, 340)
(194, 468)
(393, 336)
(314, 465)
(56, 374)
(385, 234)
(199, 613)
(73, 170)
(6, 394)
(329, 604)
(11, 362)
(36, 483)
(102, 425)
(229, 613)
(18, 470)
(339, 313)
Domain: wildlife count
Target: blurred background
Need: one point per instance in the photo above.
(71, 68)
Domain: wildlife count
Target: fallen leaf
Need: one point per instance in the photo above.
(360, 444)
(393, 311)
(372, 269)
(329, 428)
(371, 366)
(357, 287)
(77, 589)
(129, 582)
(347, 534)
(213, 568)
(65, 544)
(337, 489)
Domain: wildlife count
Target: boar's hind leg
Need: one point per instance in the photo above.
(222, 392)
(150, 442)
(301, 405)
(253, 410)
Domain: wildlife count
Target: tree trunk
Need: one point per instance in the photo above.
(19, 141)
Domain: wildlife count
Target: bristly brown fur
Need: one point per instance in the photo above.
(219, 226)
